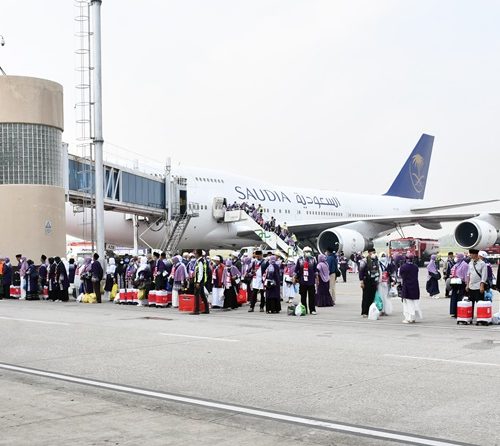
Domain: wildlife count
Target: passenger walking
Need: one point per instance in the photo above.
(369, 276)
(97, 274)
(272, 281)
(6, 277)
(218, 283)
(257, 268)
(323, 296)
(333, 266)
(199, 279)
(458, 282)
(432, 285)
(477, 278)
(230, 280)
(305, 275)
(410, 291)
(179, 278)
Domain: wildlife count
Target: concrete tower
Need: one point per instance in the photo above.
(31, 168)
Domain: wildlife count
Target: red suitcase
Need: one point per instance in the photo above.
(186, 303)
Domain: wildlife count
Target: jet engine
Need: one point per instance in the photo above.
(476, 233)
(342, 239)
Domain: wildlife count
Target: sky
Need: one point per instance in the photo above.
(332, 94)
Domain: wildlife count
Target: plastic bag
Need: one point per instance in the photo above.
(80, 297)
(300, 310)
(378, 301)
(291, 310)
(373, 312)
(488, 295)
(116, 300)
(393, 292)
(495, 320)
(141, 294)
(114, 291)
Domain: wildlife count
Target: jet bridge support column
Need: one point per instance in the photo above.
(135, 222)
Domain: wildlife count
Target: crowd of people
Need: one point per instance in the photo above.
(260, 277)
(466, 276)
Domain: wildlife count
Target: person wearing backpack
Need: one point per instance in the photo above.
(369, 275)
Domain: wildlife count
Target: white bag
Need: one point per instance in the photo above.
(80, 297)
(393, 292)
(373, 313)
(495, 320)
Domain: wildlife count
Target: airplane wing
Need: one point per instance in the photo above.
(431, 221)
(450, 206)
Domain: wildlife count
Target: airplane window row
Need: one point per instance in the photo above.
(209, 180)
(362, 215)
(329, 214)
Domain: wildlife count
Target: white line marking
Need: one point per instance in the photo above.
(323, 424)
(444, 360)
(32, 320)
(199, 337)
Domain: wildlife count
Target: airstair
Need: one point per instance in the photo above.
(179, 228)
(270, 238)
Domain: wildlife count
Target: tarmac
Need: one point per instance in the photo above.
(82, 374)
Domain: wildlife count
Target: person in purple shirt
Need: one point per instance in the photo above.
(410, 291)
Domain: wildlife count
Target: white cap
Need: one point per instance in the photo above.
(307, 248)
(483, 254)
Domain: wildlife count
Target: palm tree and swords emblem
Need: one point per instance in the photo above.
(417, 177)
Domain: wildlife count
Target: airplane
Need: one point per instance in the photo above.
(337, 220)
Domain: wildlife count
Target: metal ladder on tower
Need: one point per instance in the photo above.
(181, 222)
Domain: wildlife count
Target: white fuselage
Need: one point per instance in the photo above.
(291, 205)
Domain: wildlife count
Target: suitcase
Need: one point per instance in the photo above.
(161, 298)
(15, 292)
(186, 303)
(464, 312)
(134, 294)
(484, 312)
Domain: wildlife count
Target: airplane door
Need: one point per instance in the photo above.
(182, 201)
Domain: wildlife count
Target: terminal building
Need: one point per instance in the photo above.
(32, 192)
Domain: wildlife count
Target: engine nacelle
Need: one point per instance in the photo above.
(342, 239)
(475, 233)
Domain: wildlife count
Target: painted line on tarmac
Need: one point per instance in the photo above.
(33, 320)
(199, 337)
(454, 361)
(328, 425)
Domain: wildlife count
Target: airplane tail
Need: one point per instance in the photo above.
(411, 181)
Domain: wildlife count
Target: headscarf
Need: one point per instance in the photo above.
(383, 259)
(24, 266)
(431, 267)
(111, 269)
(88, 264)
(143, 266)
(461, 268)
(323, 269)
(272, 265)
(179, 271)
(6, 260)
(230, 271)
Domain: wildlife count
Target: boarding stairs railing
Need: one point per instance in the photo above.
(270, 238)
(179, 228)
